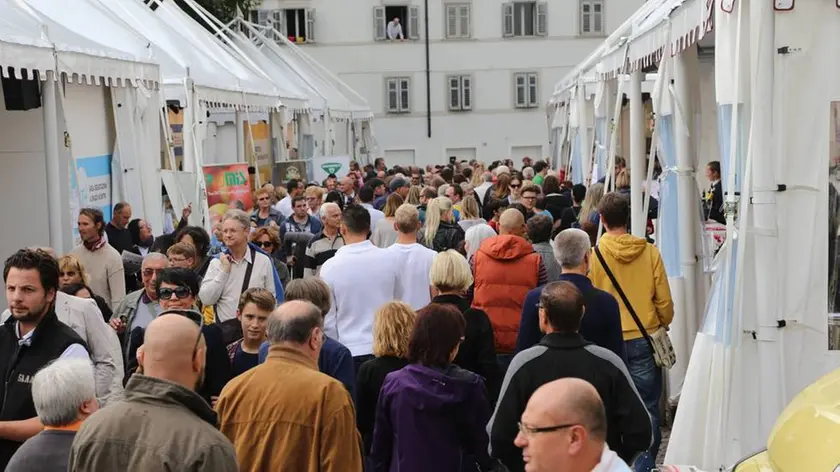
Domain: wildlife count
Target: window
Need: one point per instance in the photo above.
(525, 90)
(398, 92)
(408, 18)
(524, 19)
(457, 21)
(460, 92)
(592, 17)
(296, 24)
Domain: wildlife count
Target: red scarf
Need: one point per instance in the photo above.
(92, 246)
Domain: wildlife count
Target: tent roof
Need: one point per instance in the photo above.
(186, 50)
(325, 89)
(643, 38)
(33, 42)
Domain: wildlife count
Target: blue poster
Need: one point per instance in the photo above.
(94, 175)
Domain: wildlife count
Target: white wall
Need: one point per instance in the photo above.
(345, 45)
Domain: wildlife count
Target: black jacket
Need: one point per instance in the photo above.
(556, 203)
(714, 206)
(369, 381)
(448, 236)
(19, 363)
(478, 352)
(563, 355)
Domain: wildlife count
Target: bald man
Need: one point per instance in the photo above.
(348, 190)
(285, 414)
(162, 424)
(505, 269)
(564, 429)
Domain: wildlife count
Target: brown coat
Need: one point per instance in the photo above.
(285, 415)
(159, 426)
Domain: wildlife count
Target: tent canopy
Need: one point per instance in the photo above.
(185, 50)
(31, 41)
(326, 90)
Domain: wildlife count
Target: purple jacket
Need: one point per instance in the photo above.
(430, 419)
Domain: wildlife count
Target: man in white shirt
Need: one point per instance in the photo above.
(395, 31)
(564, 429)
(362, 278)
(237, 269)
(366, 196)
(284, 206)
(413, 259)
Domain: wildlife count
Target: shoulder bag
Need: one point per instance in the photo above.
(660, 343)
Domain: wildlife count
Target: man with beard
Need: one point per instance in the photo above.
(162, 424)
(29, 340)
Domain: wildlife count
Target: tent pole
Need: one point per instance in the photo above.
(54, 201)
(240, 137)
(638, 219)
(686, 183)
(583, 133)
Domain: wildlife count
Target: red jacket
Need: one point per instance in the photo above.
(506, 268)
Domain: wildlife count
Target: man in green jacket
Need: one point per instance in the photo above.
(162, 424)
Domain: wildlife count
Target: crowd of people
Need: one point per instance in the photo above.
(452, 318)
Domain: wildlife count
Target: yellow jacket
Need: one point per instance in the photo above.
(637, 266)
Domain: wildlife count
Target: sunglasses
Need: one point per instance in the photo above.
(264, 243)
(151, 272)
(179, 292)
(515, 186)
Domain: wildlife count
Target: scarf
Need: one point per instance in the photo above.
(94, 245)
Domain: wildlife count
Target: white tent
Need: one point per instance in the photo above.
(67, 138)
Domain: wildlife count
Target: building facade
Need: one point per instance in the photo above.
(476, 88)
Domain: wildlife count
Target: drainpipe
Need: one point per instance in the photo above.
(428, 73)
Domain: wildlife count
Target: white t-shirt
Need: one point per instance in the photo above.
(284, 206)
(415, 262)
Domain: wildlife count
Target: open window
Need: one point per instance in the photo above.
(395, 22)
(295, 24)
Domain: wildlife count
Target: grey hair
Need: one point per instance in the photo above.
(571, 247)
(326, 207)
(60, 389)
(488, 177)
(442, 190)
(528, 173)
(154, 256)
(293, 322)
(476, 235)
(238, 215)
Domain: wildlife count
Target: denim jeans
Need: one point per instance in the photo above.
(648, 379)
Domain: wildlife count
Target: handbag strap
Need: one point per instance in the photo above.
(623, 297)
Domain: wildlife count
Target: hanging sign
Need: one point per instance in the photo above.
(324, 166)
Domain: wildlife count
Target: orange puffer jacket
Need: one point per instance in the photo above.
(506, 268)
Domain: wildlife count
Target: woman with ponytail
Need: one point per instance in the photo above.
(441, 232)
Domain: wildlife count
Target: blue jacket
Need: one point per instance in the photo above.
(335, 360)
(278, 285)
(601, 322)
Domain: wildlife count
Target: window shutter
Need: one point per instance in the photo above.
(392, 96)
(597, 18)
(542, 19)
(465, 21)
(310, 25)
(507, 19)
(257, 16)
(413, 22)
(532, 90)
(379, 23)
(404, 95)
(451, 21)
(519, 90)
(585, 18)
(276, 24)
(466, 93)
(454, 93)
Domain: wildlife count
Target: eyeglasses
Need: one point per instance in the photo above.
(530, 431)
(264, 243)
(515, 186)
(151, 272)
(179, 292)
(263, 199)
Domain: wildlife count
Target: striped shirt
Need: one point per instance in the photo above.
(320, 249)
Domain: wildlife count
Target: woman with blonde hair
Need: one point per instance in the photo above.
(451, 278)
(392, 325)
(383, 233)
(413, 197)
(441, 231)
(477, 175)
(71, 271)
(589, 208)
(470, 215)
(314, 196)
